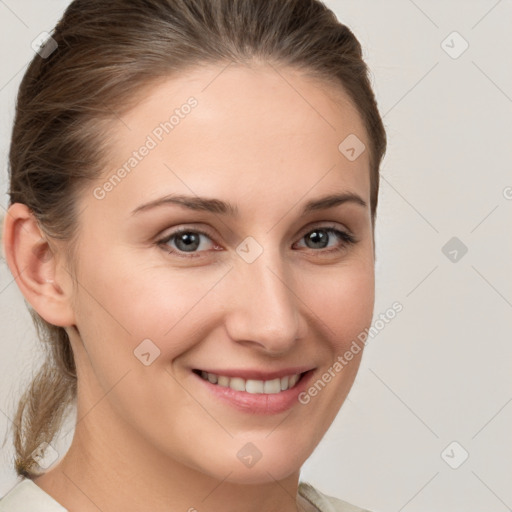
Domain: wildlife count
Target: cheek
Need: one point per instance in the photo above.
(343, 301)
(124, 303)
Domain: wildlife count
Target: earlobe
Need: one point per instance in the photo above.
(34, 266)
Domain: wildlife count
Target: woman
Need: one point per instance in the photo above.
(193, 194)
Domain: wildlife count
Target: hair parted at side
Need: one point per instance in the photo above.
(108, 53)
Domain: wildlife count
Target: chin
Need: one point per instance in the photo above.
(252, 466)
(264, 474)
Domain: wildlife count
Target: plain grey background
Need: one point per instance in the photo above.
(434, 385)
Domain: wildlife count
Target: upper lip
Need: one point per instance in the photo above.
(256, 374)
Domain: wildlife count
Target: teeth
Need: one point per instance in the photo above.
(223, 381)
(253, 386)
(293, 380)
(272, 386)
(237, 384)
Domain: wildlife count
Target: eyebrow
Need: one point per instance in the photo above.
(225, 208)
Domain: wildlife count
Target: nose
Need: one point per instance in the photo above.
(264, 308)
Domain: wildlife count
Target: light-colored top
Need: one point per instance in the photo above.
(27, 496)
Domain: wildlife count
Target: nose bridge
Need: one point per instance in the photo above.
(267, 312)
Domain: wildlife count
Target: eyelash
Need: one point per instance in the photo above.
(347, 240)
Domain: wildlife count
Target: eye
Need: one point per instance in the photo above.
(185, 242)
(320, 237)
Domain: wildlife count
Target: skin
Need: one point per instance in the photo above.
(154, 432)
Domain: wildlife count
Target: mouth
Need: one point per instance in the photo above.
(254, 386)
(276, 394)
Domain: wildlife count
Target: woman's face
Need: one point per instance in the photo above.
(256, 291)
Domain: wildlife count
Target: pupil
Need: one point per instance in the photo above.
(318, 237)
(191, 241)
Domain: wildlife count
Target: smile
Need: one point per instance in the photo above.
(254, 391)
(273, 386)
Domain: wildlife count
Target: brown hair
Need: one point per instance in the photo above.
(107, 54)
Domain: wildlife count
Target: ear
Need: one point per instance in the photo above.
(39, 272)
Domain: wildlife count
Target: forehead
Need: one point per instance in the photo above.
(252, 130)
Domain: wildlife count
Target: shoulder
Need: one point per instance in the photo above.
(324, 503)
(26, 496)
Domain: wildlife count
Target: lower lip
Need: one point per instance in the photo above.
(259, 403)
